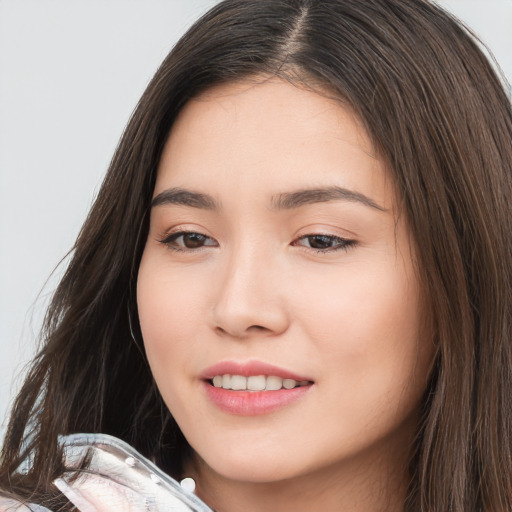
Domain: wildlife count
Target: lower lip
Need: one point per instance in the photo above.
(253, 403)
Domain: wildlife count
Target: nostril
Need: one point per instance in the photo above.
(251, 329)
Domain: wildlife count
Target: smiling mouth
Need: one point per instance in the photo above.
(255, 383)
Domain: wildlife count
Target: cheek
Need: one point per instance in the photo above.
(169, 312)
(345, 309)
(367, 332)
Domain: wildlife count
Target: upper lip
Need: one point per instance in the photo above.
(250, 368)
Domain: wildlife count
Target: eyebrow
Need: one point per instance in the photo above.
(283, 201)
(296, 199)
(181, 196)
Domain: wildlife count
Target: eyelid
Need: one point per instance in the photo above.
(183, 228)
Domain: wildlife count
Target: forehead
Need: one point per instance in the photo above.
(270, 135)
(285, 107)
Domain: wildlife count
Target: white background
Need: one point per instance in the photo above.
(71, 72)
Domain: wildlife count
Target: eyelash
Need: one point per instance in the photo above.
(342, 244)
(171, 241)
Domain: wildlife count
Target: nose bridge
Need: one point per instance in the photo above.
(249, 297)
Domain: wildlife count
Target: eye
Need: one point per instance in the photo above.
(324, 243)
(188, 241)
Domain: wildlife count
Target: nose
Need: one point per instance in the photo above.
(250, 300)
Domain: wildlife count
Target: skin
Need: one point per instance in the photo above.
(257, 287)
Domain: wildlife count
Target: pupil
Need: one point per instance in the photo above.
(320, 242)
(193, 240)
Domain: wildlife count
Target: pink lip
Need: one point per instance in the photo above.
(250, 368)
(252, 403)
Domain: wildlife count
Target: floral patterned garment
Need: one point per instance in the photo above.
(117, 478)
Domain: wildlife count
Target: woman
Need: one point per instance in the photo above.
(295, 283)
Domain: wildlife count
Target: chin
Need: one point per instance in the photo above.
(251, 466)
(251, 473)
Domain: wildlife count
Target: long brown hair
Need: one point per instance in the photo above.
(440, 117)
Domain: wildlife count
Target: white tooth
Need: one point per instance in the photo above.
(226, 381)
(238, 382)
(274, 383)
(217, 381)
(289, 383)
(256, 383)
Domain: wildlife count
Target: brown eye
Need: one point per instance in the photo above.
(193, 240)
(188, 241)
(324, 243)
(321, 241)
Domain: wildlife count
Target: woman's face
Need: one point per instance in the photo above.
(275, 254)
